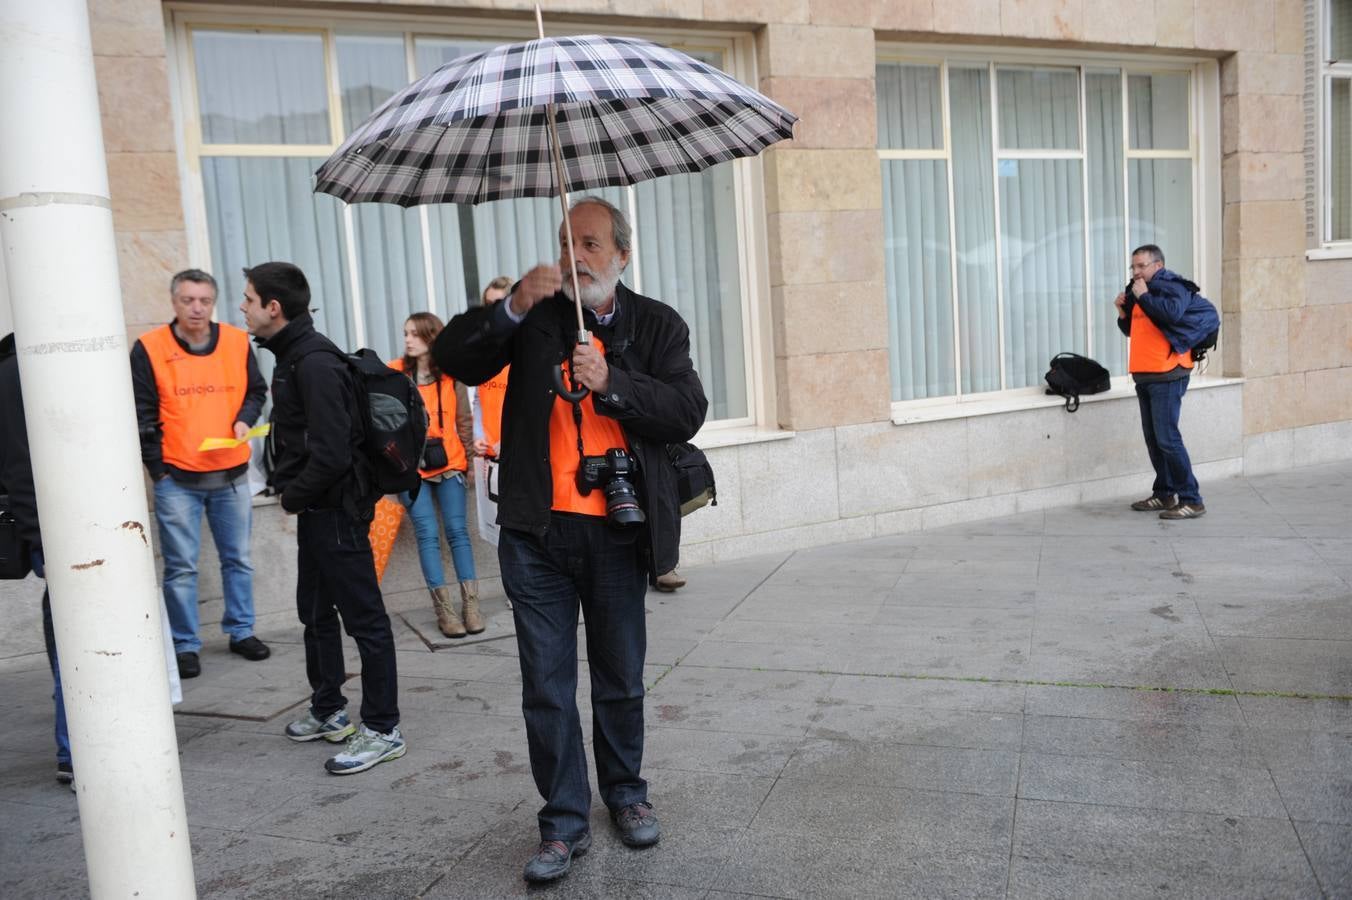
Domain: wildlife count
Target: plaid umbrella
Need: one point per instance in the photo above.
(476, 129)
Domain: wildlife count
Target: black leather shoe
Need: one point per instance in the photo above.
(189, 666)
(251, 648)
(638, 825)
(554, 858)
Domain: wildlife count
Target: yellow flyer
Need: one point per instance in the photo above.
(257, 431)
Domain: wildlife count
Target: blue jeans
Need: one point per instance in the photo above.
(1161, 404)
(229, 511)
(49, 638)
(450, 496)
(579, 561)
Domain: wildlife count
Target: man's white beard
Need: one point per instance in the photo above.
(599, 290)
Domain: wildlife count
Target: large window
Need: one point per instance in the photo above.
(1337, 70)
(1012, 195)
(265, 106)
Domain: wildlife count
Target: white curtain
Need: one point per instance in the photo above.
(388, 240)
(1340, 161)
(916, 252)
(687, 257)
(1108, 267)
(238, 79)
(974, 225)
(262, 209)
(1041, 222)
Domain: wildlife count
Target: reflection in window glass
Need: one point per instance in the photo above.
(686, 233)
(1107, 215)
(1340, 30)
(1039, 109)
(919, 283)
(371, 69)
(974, 226)
(1159, 111)
(1042, 255)
(914, 121)
(1340, 159)
(263, 209)
(238, 79)
(1161, 209)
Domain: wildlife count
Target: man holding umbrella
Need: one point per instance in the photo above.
(585, 509)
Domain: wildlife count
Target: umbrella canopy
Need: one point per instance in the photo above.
(627, 110)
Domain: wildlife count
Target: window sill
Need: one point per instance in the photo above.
(1330, 251)
(734, 437)
(1123, 388)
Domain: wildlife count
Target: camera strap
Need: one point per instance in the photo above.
(441, 425)
(577, 424)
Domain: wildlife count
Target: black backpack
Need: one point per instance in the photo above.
(1071, 375)
(694, 477)
(393, 418)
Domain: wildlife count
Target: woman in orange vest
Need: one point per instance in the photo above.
(491, 393)
(444, 462)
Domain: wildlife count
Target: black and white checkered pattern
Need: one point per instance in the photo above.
(475, 129)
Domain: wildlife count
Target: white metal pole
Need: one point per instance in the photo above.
(56, 236)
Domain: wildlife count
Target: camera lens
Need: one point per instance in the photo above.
(622, 509)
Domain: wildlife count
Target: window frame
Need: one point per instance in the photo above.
(1329, 70)
(739, 60)
(1203, 150)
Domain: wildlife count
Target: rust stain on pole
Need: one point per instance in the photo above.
(79, 567)
(137, 527)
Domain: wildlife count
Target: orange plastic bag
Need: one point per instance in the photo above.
(384, 529)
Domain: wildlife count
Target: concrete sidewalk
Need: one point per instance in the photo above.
(1082, 702)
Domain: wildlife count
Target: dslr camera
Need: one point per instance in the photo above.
(613, 473)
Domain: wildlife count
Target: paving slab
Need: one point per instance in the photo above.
(1077, 702)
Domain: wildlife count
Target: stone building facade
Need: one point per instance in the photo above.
(820, 448)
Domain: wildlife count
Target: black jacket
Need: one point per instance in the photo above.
(16, 465)
(655, 395)
(147, 395)
(315, 444)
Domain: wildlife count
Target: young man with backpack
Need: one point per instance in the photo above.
(1148, 312)
(323, 475)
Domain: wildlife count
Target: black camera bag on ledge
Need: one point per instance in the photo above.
(1071, 375)
(694, 477)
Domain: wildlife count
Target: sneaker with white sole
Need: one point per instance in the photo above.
(335, 729)
(1184, 511)
(365, 749)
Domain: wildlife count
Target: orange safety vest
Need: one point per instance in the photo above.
(200, 397)
(491, 394)
(1149, 350)
(599, 434)
(445, 429)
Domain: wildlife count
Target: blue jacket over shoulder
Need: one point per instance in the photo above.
(1174, 305)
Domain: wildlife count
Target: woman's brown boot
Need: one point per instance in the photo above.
(469, 593)
(447, 619)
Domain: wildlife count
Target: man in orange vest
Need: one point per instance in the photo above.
(195, 379)
(1161, 375)
(585, 508)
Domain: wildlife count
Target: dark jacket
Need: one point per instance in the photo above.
(1173, 303)
(315, 444)
(16, 465)
(148, 407)
(655, 395)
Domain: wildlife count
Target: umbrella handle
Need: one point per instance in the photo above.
(573, 396)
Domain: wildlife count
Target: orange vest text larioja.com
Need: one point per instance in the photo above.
(200, 397)
(455, 451)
